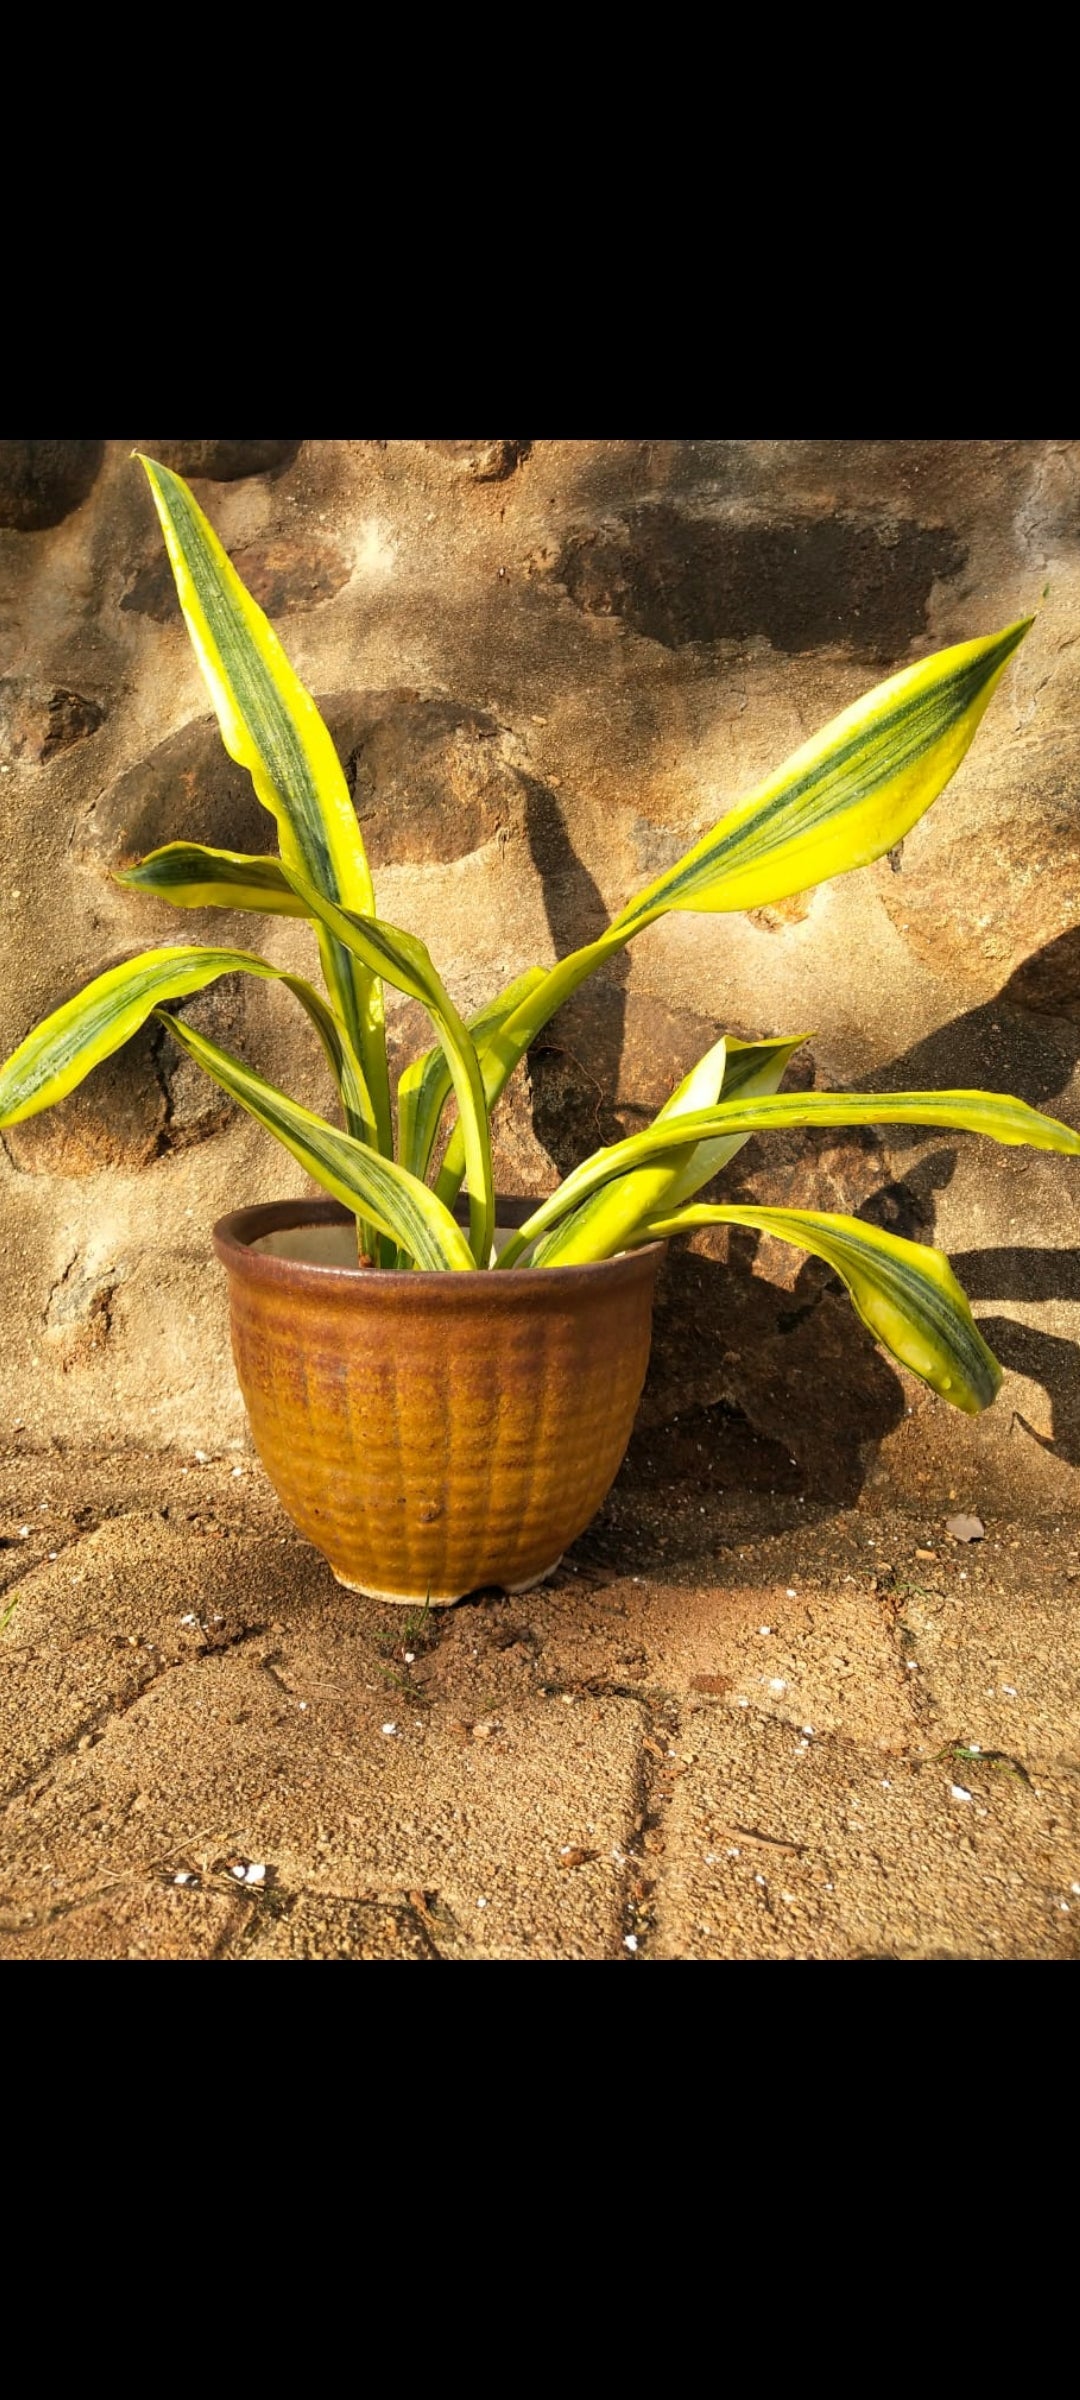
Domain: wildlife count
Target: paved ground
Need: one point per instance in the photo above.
(733, 1727)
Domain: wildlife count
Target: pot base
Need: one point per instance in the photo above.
(441, 1599)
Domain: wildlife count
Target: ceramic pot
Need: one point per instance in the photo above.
(432, 1433)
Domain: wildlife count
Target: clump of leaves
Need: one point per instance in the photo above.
(844, 798)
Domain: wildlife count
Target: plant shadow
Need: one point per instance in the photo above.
(774, 1385)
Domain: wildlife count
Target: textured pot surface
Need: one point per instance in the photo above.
(433, 1433)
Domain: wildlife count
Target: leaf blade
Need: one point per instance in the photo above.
(426, 1083)
(77, 1037)
(840, 801)
(405, 962)
(905, 1292)
(270, 725)
(191, 875)
(994, 1114)
(374, 1187)
(846, 796)
(603, 1223)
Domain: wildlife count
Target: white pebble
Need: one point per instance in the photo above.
(255, 1873)
(741, 1703)
(791, 1592)
(764, 1628)
(386, 1728)
(410, 1658)
(481, 1904)
(958, 1792)
(777, 1684)
(629, 1941)
(1009, 1690)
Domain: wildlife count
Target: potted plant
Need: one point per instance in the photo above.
(442, 1402)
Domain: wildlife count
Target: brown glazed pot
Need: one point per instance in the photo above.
(433, 1433)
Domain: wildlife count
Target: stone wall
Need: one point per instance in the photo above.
(549, 667)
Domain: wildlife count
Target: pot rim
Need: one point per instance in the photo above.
(234, 1234)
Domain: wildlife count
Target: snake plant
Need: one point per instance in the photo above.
(843, 799)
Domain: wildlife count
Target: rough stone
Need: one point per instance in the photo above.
(288, 574)
(430, 780)
(188, 788)
(429, 776)
(798, 579)
(283, 575)
(116, 1119)
(146, 1099)
(1049, 981)
(36, 723)
(221, 462)
(484, 462)
(42, 482)
(993, 906)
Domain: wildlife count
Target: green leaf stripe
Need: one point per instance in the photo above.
(189, 875)
(426, 1084)
(905, 1292)
(406, 963)
(877, 754)
(271, 722)
(373, 1187)
(271, 725)
(992, 1113)
(67, 1045)
(602, 1224)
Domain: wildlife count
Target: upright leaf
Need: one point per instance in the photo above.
(426, 1083)
(606, 1222)
(404, 960)
(846, 796)
(841, 800)
(271, 726)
